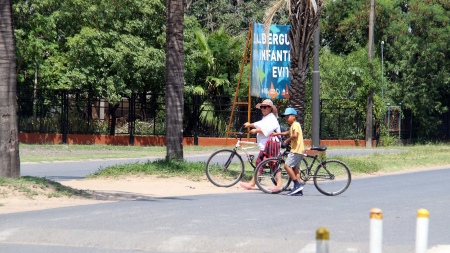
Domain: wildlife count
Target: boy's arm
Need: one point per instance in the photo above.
(293, 136)
(282, 134)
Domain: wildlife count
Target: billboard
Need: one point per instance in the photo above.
(270, 62)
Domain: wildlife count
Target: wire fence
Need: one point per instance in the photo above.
(143, 114)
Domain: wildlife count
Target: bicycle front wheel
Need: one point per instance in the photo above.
(332, 177)
(224, 168)
(266, 175)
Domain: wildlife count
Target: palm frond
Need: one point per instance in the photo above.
(196, 90)
(202, 43)
(217, 81)
(274, 7)
(314, 5)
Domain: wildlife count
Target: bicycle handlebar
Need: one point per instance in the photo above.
(241, 133)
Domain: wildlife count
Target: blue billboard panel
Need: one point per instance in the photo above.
(270, 62)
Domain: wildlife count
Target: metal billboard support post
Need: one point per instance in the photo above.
(316, 92)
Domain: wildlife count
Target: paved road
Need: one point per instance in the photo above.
(244, 222)
(75, 170)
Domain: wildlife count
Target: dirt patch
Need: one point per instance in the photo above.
(108, 190)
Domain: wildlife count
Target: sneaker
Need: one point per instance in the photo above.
(300, 193)
(296, 189)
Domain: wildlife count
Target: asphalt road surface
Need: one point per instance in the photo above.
(244, 222)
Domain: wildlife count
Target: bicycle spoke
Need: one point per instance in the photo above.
(332, 177)
(266, 174)
(224, 168)
(305, 173)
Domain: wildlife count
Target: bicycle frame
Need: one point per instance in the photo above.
(239, 146)
(309, 169)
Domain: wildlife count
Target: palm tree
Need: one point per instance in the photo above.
(9, 142)
(174, 79)
(304, 19)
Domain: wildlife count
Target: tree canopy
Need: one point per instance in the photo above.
(115, 48)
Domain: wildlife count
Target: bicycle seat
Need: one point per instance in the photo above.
(320, 148)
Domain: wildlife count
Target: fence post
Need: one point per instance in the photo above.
(422, 230)
(132, 117)
(322, 240)
(196, 112)
(64, 116)
(376, 230)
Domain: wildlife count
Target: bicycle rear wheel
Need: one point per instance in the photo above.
(224, 168)
(266, 179)
(332, 177)
(305, 173)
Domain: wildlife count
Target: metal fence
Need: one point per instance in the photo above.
(81, 112)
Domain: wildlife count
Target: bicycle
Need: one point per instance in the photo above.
(268, 170)
(226, 167)
(331, 177)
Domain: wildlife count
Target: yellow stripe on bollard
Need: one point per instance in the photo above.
(422, 230)
(423, 213)
(322, 240)
(322, 234)
(376, 213)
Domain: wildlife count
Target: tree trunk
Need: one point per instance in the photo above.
(297, 91)
(304, 20)
(9, 142)
(369, 109)
(174, 79)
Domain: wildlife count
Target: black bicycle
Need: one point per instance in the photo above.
(267, 170)
(226, 167)
(331, 177)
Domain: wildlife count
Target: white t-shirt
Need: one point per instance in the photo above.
(268, 124)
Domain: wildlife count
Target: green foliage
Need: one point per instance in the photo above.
(416, 67)
(217, 58)
(349, 76)
(234, 16)
(386, 140)
(345, 82)
(364, 166)
(417, 51)
(40, 125)
(162, 167)
(115, 48)
(36, 41)
(112, 48)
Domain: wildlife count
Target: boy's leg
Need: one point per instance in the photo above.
(289, 171)
(297, 173)
(298, 186)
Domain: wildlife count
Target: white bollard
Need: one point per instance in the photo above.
(322, 240)
(422, 230)
(376, 230)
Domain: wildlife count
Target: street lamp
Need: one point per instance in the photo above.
(382, 70)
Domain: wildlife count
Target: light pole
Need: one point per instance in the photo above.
(382, 69)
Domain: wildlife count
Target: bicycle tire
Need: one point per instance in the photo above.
(266, 180)
(224, 168)
(305, 173)
(332, 177)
